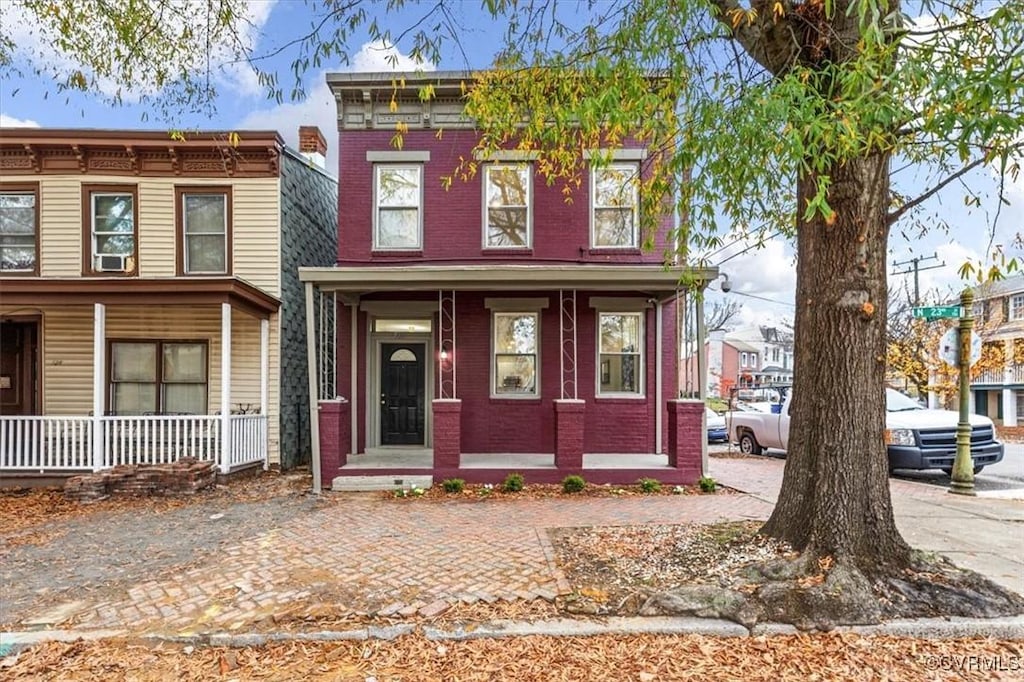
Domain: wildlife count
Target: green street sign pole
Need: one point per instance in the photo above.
(962, 478)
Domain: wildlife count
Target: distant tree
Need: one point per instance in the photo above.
(718, 316)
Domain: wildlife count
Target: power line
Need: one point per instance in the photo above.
(915, 268)
(763, 298)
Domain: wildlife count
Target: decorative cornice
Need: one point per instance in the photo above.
(41, 151)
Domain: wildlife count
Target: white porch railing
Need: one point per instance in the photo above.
(59, 444)
(1013, 374)
(45, 443)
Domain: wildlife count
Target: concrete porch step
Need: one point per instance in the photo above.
(385, 482)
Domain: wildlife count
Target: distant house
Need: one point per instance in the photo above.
(997, 390)
(492, 326)
(747, 360)
(150, 307)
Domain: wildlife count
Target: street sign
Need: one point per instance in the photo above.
(949, 347)
(937, 312)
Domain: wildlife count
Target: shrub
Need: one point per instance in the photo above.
(649, 485)
(573, 484)
(707, 484)
(453, 485)
(513, 483)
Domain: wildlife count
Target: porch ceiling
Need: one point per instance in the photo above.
(594, 277)
(35, 291)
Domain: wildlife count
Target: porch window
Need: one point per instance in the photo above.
(398, 216)
(204, 229)
(507, 206)
(614, 201)
(158, 377)
(19, 230)
(515, 354)
(620, 354)
(112, 228)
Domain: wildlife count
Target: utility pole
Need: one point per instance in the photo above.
(915, 264)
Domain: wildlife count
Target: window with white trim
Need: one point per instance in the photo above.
(205, 228)
(515, 354)
(18, 230)
(743, 359)
(398, 215)
(158, 377)
(507, 194)
(1017, 307)
(614, 206)
(113, 225)
(620, 354)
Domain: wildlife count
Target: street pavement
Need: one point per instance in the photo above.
(361, 553)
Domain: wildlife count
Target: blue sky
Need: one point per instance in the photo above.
(756, 275)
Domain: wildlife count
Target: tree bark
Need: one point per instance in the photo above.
(835, 493)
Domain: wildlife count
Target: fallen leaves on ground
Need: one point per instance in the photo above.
(823, 657)
(541, 491)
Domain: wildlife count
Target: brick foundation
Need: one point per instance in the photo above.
(569, 418)
(335, 436)
(447, 433)
(184, 477)
(686, 437)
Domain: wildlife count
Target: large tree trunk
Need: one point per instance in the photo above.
(835, 498)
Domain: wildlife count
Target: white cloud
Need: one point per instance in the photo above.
(37, 45)
(11, 122)
(319, 107)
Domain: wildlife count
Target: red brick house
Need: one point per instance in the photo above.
(490, 326)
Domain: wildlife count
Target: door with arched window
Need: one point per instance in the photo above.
(402, 393)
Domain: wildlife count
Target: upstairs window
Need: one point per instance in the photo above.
(111, 225)
(507, 219)
(398, 217)
(614, 205)
(515, 354)
(204, 228)
(620, 351)
(1017, 307)
(158, 377)
(19, 229)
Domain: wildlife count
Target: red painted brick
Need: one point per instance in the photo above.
(447, 428)
(569, 433)
(335, 436)
(685, 436)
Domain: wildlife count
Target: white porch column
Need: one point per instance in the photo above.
(265, 389)
(314, 396)
(99, 363)
(659, 361)
(353, 343)
(225, 386)
(1009, 407)
(702, 379)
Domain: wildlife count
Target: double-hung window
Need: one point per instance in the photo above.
(158, 377)
(112, 225)
(614, 206)
(398, 214)
(507, 194)
(620, 354)
(1017, 307)
(205, 230)
(515, 353)
(19, 229)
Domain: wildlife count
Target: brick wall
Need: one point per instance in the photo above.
(335, 437)
(452, 218)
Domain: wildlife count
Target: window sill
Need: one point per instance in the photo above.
(515, 399)
(615, 251)
(620, 398)
(507, 250)
(19, 273)
(396, 253)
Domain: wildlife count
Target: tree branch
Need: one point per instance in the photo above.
(920, 199)
(768, 41)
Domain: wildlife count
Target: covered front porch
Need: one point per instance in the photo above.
(94, 377)
(544, 370)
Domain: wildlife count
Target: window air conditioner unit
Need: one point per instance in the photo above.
(112, 263)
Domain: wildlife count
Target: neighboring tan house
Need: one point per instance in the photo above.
(492, 324)
(998, 389)
(150, 307)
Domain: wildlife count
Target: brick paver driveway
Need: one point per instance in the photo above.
(362, 553)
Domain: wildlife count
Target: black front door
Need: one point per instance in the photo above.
(402, 385)
(18, 341)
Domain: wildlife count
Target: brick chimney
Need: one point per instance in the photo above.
(312, 145)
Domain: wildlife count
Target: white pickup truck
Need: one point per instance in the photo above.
(916, 438)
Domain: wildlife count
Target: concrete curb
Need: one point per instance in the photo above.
(1010, 628)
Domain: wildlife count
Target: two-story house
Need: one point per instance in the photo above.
(997, 385)
(744, 362)
(490, 325)
(141, 288)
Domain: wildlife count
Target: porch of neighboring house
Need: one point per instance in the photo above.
(410, 385)
(86, 387)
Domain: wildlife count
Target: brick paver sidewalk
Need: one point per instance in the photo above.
(366, 554)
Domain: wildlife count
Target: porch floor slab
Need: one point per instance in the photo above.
(423, 458)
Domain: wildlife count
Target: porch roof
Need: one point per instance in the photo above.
(503, 277)
(34, 291)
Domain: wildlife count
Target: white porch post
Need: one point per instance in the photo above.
(225, 386)
(659, 361)
(99, 363)
(314, 411)
(353, 397)
(702, 380)
(265, 389)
